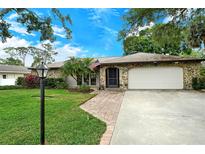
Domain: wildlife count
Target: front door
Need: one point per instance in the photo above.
(112, 77)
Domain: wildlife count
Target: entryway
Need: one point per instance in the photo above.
(112, 77)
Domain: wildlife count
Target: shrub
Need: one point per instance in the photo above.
(62, 85)
(10, 87)
(195, 84)
(202, 71)
(198, 83)
(20, 81)
(58, 83)
(31, 81)
(84, 88)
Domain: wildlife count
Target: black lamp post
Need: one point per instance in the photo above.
(42, 71)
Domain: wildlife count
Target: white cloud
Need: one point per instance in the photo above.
(59, 31)
(14, 42)
(135, 31)
(64, 52)
(67, 51)
(101, 16)
(167, 19)
(101, 19)
(110, 30)
(13, 16)
(17, 27)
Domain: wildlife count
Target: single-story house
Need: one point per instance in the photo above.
(137, 71)
(9, 74)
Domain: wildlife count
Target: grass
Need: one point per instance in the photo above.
(66, 123)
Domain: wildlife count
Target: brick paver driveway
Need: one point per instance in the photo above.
(105, 106)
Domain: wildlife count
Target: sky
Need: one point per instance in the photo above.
(94, 33)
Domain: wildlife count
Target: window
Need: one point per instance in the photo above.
(93, 79)
(4, 76)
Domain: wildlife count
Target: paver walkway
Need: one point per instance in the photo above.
(105, 106)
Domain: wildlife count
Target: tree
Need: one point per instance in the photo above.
(181, 18)
(17, 53)
(11, 61)
(76, 67)
(33, 22)
(46, 54)
(136, 44)
(152, 40)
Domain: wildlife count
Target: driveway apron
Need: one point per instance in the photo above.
(161, 117)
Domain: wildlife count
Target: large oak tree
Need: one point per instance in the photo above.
(184, 27)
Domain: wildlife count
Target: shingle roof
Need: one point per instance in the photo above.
(61, 63)
(134, 58)
(13, 69)
(56, 64)
(148, 57)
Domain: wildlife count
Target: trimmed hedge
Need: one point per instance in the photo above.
(10, 87)
(57, 83)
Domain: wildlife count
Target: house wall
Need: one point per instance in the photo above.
(56, 73)
(10, 78)
(52, 73)
(190, 70)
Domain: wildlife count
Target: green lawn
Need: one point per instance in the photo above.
(66, 123)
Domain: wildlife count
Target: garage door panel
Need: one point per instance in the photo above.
(155, 78)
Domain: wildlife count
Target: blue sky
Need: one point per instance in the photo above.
(94, 33)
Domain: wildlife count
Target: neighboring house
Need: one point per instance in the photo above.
(9, 74)
(138, 71)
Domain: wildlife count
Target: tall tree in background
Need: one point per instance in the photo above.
(184, 28)
(11, 61)
(34, 23)
(17, 53)
(46, 54)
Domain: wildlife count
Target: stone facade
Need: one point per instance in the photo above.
(190, 70)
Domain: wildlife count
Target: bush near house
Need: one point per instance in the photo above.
(32, 81)
(20, 81)
(84, 88)
(56, 83)
(199, 83)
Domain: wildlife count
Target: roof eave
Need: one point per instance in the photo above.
(160, 61)
(15, 72)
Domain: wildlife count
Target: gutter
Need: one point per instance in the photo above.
(162, 61)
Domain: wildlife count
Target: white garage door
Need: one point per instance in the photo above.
(155, 78)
